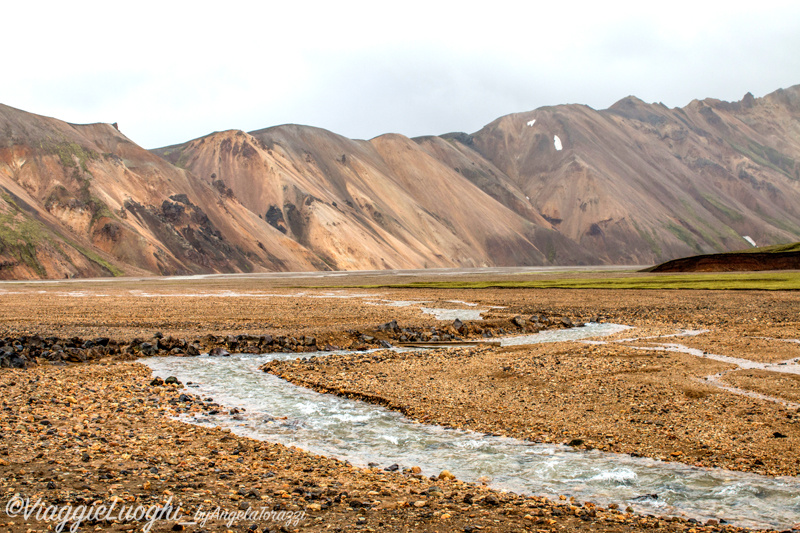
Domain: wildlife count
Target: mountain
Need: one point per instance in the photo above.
(384, 203)
(636, 183)
(641, 183)
(83, 200)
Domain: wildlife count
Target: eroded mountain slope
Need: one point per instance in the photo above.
(83, 200)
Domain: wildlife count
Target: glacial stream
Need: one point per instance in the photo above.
(362, 433)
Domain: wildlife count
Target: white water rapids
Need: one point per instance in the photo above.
(278, 411)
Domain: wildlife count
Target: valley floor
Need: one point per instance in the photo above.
(100, 430)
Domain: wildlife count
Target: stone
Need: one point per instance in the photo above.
(492, 500)
(148, 349)
(219, 352)
(389, 326)
(445, 475)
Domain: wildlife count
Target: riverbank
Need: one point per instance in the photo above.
(103, 433)
(614, 397)
(535, 393)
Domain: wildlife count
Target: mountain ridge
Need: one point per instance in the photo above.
(636, 183)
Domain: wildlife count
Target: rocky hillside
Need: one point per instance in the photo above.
(636, 183)
(86, 201)
(641, 183)
(384, 203)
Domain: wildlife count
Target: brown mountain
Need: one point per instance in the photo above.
(384, 203)
(636, 183)
(83, 200)
(640, 183)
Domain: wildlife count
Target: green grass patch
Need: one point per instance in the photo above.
(729, 212)
(20, 235)
(68, 152)
(649, 239)
(685, 236)
(776, 249)
(768, 157)
(769, 281)
(94, 258)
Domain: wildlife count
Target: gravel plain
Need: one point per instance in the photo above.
(100, 431)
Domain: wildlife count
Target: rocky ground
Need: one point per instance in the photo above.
(611, 397)
(100, 430)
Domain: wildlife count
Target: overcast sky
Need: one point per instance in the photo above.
(171, 71)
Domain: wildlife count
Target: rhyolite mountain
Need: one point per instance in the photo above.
(636, 183)
(83, 200)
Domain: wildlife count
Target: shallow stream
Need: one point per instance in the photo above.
(362, 433)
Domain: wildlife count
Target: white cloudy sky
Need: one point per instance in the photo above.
(172, 71)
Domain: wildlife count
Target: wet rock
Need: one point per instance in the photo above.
(519, 321)
(219, 352)
(575, 442)
(491, 500)
(172, 380)
(389, 326)
(148, 349)
(645, 497)
(458, 324)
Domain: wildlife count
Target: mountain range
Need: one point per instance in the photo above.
(636, 183)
